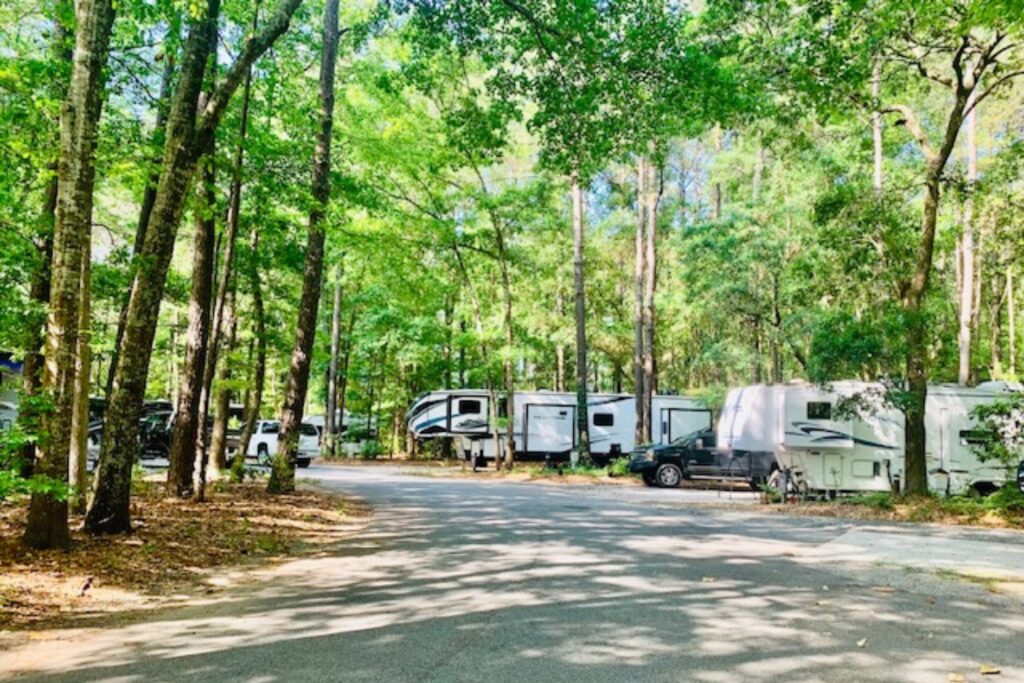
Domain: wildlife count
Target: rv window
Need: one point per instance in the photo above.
(975, 437)
(819, 410)
(467, 407)
(604, 419)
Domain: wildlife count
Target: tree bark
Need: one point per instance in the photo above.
(650, 285)
(217, 457)
(47, 525)
(187, 135)
(252, 407)
(639, 270)
(967, 279)
(877, 177)
(582, 419)
(187, 421)
(79, 450)
(1011, 315)
(330, 427)
(282, 477)
(716, 189)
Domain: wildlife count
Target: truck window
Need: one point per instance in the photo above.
(819, 410)
(468, 407)
(604, 419)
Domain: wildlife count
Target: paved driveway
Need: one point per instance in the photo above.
(458, 580)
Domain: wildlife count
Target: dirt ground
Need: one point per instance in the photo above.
(179, 549)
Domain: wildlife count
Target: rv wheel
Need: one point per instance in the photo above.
(669, 476)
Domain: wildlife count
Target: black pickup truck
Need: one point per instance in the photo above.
(695, 456)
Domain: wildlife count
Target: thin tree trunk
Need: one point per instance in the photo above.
(330, 431)
(967, 279)
(217, 456)
(1011, 315)
(188, 421)
(252, 408)
(559, 347)
(877, 177)
(639, 270)
(47, 525)
(188, 133)
(650, 285)
(995, 308)
(282, 477)
(79, 451)
(582, 419)
(716, 189)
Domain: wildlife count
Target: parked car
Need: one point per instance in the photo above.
(695, 456)
(263, 444)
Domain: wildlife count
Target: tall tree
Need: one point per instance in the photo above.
(47, 525)
(282, 476)
(188, 134)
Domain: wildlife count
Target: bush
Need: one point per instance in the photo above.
(371, 450)
(619, 467)
(1007, 499)
(878, 501)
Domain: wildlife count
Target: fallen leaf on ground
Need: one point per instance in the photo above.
(709, 579)
(956, 678)
(883, 589)
(862, 642)
(988, 670)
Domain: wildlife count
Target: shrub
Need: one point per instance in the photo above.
(619, 467)
(371, 450)
(878, 501)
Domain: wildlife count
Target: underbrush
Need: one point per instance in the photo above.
(1005, 507)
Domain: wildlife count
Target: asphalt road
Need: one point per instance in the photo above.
(458, 580)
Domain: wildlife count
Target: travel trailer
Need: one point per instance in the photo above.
(825, 449)
(545, 421)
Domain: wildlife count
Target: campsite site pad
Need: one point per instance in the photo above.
(178, 550)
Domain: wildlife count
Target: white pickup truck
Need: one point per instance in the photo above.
(263, 444)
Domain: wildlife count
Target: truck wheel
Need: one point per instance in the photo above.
(302, 462)
(263, 455)
(668, 476)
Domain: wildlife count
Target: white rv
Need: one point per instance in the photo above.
(545, 421)
(824, 450)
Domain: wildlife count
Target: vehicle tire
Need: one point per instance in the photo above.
(649, 479)
(263, 455)
(668, 476)
(302, 462)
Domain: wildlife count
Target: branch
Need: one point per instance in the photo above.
(911, 123)
(253, 50)
(990, 89)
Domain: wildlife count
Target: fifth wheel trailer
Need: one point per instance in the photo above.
(545, 421)
(827, 449)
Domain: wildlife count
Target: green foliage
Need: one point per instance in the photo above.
(1005, 420)
(619, 467)
(371, 450)
(877, 501)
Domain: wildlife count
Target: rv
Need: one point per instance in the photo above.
(544, 423)
(825, 449)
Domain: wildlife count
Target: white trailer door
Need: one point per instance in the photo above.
(550, 428)
(677, 422)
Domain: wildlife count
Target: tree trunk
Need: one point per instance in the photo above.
(217, 457)
(650, 285)
(79, 451)
(187, 135)
(559, 347)
(188, 421)
(1011, 315)
(877, 177)
(47, 525)
(995, 322)
(330, 431)
(582, 419)
(253, 407)
(716, 189)
(146, 208)
(967, 279)
(639, 270)
(282, 477)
